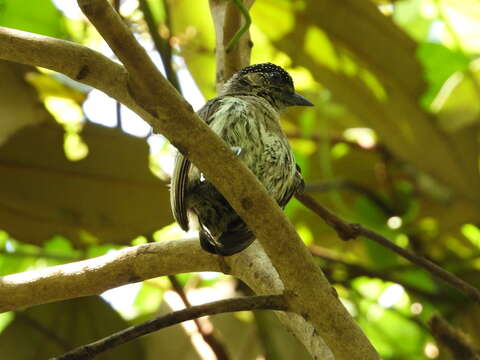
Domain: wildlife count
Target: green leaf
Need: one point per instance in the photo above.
(408, 14)
(39, 16)
(99, 250)
(148, 299)
(457, 105)
(439, 63)
(59, 245)
(384, 327)
(5, 319)
(11, 264)
(419, 279)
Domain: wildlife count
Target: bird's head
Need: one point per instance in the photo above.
(269, 81)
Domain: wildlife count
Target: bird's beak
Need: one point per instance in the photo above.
(298, 100)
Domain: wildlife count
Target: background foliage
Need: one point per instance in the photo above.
(393, 143)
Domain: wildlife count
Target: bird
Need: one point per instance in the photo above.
(246, 115)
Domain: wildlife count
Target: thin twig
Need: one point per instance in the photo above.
(118, 106)
(208, 336)
(89, 351)
(162, 45)
(453, 339)
(348, 231)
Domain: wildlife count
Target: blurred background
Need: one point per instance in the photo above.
(393, 143)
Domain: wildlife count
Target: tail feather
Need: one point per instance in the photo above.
(228, 243)
(207, 242)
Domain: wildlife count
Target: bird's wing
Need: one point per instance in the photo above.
(178, 187)
(297, 187)
(179, 183)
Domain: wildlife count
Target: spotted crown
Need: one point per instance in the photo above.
(268, 68)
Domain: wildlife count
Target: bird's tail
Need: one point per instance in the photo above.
(228, 243)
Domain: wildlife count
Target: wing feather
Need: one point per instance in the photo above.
(180, 180)
(178, 189)
(297, 187)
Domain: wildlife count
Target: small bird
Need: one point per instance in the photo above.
(247, 117)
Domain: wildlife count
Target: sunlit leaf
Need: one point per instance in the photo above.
(416, 17)
(148, 299)
(439, 63)
(42, 17)
(456, 104)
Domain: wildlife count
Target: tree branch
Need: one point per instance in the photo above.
(73, 60)
(89, 351)
(255, 269)
(348, 231)
(94, 276)
(453, 339)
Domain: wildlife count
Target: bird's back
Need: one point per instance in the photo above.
(250, 126)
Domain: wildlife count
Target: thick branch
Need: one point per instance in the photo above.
(94, 276)
(89, 351)
(91, 277)
(347, 231)
(255, 268)
(73, 60)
